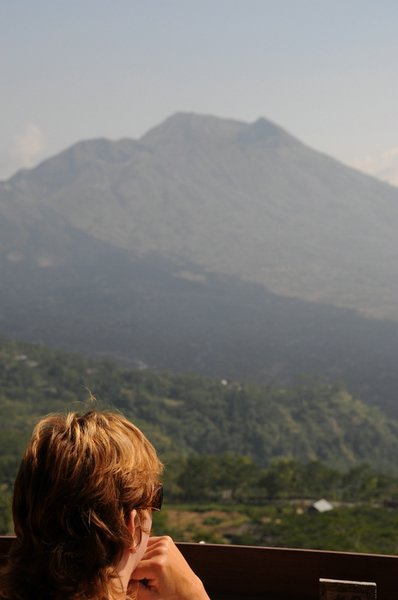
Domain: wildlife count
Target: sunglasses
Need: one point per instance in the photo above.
(156, 500)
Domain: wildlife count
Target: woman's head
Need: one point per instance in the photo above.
(79, 480)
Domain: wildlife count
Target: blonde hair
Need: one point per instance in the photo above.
(80, 476)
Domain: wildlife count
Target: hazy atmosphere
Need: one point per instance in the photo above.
(325, 70)
(198, 224)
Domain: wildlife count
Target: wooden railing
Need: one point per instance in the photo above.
(247, 572)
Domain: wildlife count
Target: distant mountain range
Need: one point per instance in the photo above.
(209, 245)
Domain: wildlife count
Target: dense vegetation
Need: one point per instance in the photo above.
(223, 443)
(187, 413)
(357, 528)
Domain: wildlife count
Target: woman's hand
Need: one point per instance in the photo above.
(164, 574)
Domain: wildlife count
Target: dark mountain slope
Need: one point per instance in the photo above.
(174, 316)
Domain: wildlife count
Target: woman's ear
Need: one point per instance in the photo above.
(130, 523)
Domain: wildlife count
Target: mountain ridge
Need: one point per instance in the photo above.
(193, 248)
(284, 206)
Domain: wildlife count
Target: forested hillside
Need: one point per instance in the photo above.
(186, 413)
(235, 454)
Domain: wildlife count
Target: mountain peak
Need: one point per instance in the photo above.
(198, 121)
(189, 127)
(264, 130)
(192, 127)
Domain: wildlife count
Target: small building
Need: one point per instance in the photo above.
(320, 506)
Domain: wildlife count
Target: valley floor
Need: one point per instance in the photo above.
(369, 528)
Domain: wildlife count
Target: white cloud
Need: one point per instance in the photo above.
(28, 145)
(383, 166)
(24, 151)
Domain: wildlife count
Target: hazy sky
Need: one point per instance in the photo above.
(325, 70)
